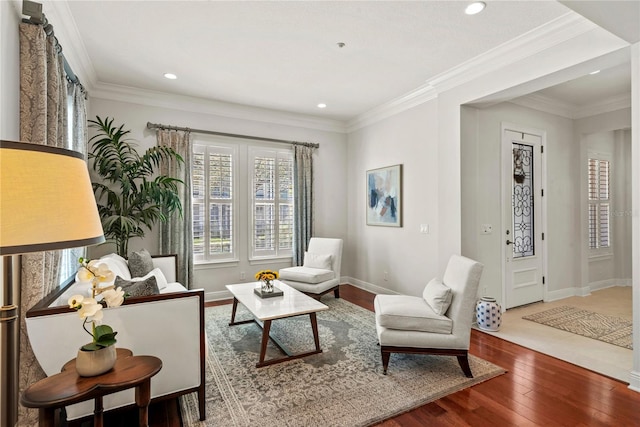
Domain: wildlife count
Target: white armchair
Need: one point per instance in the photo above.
(438, 323)
(320, 273)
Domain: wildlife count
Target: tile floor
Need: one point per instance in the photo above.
(607, 359)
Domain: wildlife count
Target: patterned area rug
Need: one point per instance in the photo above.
(343, 386)
(609, 329)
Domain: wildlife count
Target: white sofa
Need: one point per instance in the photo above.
(169, 325)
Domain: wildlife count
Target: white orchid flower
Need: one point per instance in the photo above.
(113, 297)
(84, 275)
(103, 273)
(75, 301)
(89, 308)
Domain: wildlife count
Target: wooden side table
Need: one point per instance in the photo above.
(67, 387)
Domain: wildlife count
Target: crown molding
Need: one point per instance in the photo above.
(607, 105)
(546, 36)
(546, 104)
(572, 111)
(559, 30)
(132, 95)
(414, 98)
(74, 50)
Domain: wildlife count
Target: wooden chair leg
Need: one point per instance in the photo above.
(336, 292)
(385, 360)
(463, 361)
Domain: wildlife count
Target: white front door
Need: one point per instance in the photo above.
(522, 212)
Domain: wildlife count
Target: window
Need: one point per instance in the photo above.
(599, 203)
(271, 192)
(214, 202)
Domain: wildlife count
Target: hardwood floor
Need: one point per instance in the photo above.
(537, 390)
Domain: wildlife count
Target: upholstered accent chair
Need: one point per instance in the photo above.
(320, 273)
(438, 322)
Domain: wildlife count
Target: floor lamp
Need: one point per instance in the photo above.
(46, 203)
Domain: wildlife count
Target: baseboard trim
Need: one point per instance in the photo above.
(217, 296)
(634, 381)
(366, 286)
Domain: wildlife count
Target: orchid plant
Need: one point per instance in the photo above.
(90, 309)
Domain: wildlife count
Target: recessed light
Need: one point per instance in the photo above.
(475, 7)
(170, 76)
(594, 72)
(321, 105)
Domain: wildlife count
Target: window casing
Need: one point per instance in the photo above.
(599, 203)
(214, 202)
(271, 194)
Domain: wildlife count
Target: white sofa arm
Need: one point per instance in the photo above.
(168, 264)
(169, 326)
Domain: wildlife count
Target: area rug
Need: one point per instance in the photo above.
(609, 329)
(342, 386)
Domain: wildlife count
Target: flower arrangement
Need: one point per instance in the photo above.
(266, 275)
(90, 309)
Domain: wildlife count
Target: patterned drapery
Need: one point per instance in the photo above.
(43, 120)
(176, 235)
(303, 199)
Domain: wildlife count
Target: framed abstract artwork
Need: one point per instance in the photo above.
(384, 196)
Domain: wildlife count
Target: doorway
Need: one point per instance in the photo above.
(523, 215)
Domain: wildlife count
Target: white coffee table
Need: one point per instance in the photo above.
(265, 310)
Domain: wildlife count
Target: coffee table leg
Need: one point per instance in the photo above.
(314, 327)
(47, 417)
(266, 327)
(143, 397)
(233, 311)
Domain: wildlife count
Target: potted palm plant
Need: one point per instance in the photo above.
(131, 195)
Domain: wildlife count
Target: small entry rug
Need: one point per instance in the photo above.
(343, 386)
(609, 329)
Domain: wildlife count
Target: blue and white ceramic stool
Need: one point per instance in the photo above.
(488, 314)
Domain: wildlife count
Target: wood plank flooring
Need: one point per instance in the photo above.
(537, 390)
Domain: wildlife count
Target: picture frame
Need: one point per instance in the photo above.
(384, 196)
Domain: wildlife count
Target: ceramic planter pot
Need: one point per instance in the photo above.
(92, 363)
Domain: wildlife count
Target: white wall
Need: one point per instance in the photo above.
(330, 163)
(481, 201)
(9, 70)
(409, 257)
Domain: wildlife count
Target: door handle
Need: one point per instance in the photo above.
(509, 242)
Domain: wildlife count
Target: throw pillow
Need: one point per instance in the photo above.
(159, 275)
(312, 260)
(140, 263)
(117, 264)
(138, 288)
(438, 296)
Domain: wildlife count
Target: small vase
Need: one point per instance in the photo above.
(267, 286)
(92, 363)
(488, 314)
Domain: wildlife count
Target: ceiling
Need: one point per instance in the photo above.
(285, 55)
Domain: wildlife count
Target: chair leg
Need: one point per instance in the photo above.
(463, 361)
(336, 292)
(385, 360)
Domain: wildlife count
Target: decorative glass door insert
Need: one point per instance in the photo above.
(522, 201)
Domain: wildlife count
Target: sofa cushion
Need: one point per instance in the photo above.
(409, 313)
(313, 260)
(438, 296)
(117, 264)
(306, 274)
(138, 287)
(140, 263)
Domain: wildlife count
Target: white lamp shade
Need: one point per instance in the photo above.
(46, 200)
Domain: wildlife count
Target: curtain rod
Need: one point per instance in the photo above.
(231, 135)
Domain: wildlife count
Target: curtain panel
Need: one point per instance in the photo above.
(43, 120)
(176, 234)
(303, 200)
